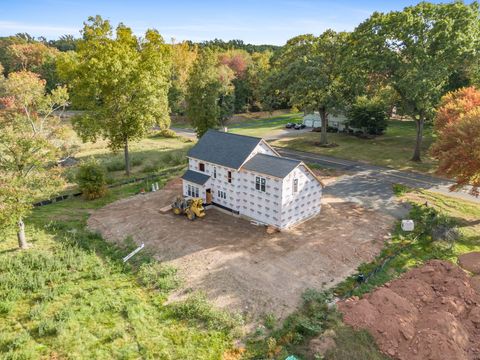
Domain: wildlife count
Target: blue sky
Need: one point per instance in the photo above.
(256, 22)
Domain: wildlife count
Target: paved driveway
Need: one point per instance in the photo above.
(371, 186)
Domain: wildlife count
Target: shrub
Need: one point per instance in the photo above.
(166, 133)
(92, 179)
(400, 189)
(370, 115)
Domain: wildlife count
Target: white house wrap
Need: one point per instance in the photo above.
(244, 175)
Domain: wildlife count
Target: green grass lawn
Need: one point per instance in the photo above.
(394, 148)
(148, 156)
(70, 296)
(265, 127)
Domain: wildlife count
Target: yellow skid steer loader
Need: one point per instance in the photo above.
(193, 208)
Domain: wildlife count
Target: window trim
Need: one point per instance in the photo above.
(260, 183)
(201, 167)
(214, 172)
(295, 185)
(193, 191)
(229, 177)
(222, 194)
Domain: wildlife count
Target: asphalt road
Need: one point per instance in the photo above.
(369, 185)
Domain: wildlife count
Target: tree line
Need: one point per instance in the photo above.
(415, 60)
(404, 60)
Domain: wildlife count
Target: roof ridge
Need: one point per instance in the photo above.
(239, 135)
(279, 157)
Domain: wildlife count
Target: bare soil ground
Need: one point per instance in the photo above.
(432, 312)
(238, 265)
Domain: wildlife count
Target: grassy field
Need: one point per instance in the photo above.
(394, 148)
(71, 297)
(149, 155)
(270, 126)
(404, 251)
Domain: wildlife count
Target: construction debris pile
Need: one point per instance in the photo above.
(431, 312)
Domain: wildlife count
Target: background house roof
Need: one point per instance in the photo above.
(271, 165)
(230, 150)
(195, 177)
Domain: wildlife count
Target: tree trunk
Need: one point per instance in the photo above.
(418, 143)
(127, 158)
(323, 116)
(22, 241)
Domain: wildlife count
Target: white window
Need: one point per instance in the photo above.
(260, 183)
(214, 172)
(193, 191)
(229, 177)
(295, 185)
(201, 167)
(222, 194)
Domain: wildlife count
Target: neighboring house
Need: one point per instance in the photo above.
(246, 176)
(336, 121)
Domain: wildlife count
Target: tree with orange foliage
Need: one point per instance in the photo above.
(457, 147)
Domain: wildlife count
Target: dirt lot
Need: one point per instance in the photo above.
(238, 265)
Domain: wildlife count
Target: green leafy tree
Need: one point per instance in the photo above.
(65, 43)
(31, 141)
(417, 51)
(257, 75)
(369, 115)
(272, 92)
(121, 82)
(311, 73)
(209, 91)
(183, 58)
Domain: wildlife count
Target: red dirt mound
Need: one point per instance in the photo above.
(430, 313)
(470, 262)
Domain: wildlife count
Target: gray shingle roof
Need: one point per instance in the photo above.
(195, 177)
(271, 165)
(230, 150)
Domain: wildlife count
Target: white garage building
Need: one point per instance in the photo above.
(244, 175)
(336, 121)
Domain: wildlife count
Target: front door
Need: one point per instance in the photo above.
(209, 196)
